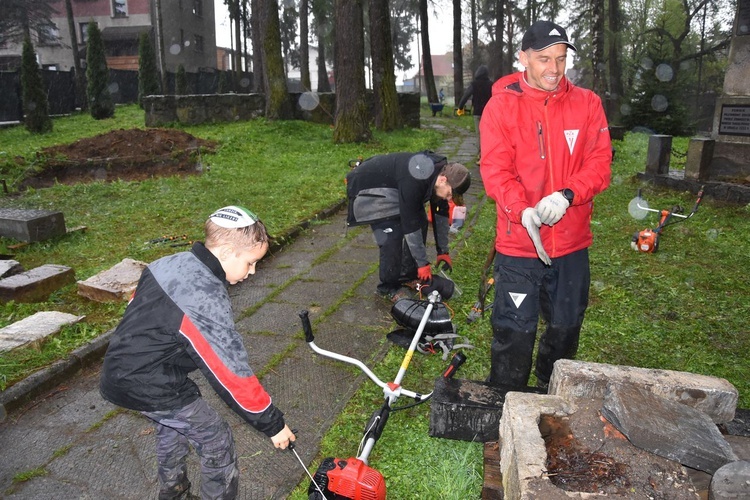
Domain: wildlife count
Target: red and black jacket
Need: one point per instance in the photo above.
(179, 320)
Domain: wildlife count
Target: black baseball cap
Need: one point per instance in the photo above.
(543, 34)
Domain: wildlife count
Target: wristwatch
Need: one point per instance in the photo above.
(568, 194)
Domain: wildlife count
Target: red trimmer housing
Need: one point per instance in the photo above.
(349, 478)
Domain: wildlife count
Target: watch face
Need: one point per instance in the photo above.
(568, 194)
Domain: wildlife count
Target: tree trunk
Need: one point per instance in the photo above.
(324, 85)
(77, 68)
(458, 55)
(387, 113)
(474, 37)
(258, 70)
(237, 43)
(160, 47)
(599, 83)
(616, 87)
(497, 66)
(304, 45)
(278, 103)
(429, 76)
(352, 120)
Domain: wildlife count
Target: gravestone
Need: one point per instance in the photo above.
(37, 284)
(35, 329)
(9, 268)
(31, 225)
(731, 129)
(114, 284)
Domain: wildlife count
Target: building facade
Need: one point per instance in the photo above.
(186, 28)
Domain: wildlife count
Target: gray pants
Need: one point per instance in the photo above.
(199, 425)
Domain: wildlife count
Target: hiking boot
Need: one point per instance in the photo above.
(402, 293)
(394, 296)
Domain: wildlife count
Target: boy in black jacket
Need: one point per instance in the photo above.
(179, 320)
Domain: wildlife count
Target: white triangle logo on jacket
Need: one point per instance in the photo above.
(571, 136)
(517, 298)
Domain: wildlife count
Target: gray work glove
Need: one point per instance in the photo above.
(532, 222)
(552, 207)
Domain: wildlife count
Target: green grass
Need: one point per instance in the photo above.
(682, 308)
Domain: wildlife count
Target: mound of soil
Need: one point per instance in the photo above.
(133, 154)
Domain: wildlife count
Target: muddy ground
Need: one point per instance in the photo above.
(133, 154)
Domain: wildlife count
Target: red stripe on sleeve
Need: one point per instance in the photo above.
(246, 391)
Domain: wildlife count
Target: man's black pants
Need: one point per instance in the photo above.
(524, 289)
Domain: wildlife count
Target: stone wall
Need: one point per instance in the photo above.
(196, 109)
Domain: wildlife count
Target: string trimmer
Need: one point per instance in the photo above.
(647, 241)
(352, 477)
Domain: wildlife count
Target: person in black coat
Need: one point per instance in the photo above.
(479, 91)
(389, 192)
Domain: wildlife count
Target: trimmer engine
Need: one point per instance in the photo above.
(347, 478)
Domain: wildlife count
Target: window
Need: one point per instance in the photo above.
(198, 43)
(119, 8)
(48, 34)
(198, 8)
(84, 29)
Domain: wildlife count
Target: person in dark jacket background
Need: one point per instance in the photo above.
(479, 91)
(389, 192)
(180, 320)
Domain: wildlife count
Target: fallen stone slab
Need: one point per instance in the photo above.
(714, 396)
(31, 225)
(37, 284)
(666, 428)
(9, 268)
(35, 329)
(731, 482)
(113, 284)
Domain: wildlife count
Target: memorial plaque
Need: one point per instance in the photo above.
(735, 119)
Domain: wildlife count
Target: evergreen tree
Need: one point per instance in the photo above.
(180, 81)
(35, 105)
(101, 104)
(148, 76)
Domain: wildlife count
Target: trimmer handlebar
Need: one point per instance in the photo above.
(306, 326)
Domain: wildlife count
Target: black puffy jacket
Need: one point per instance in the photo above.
(179, 320)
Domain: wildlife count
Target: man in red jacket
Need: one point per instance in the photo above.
(546, 153)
